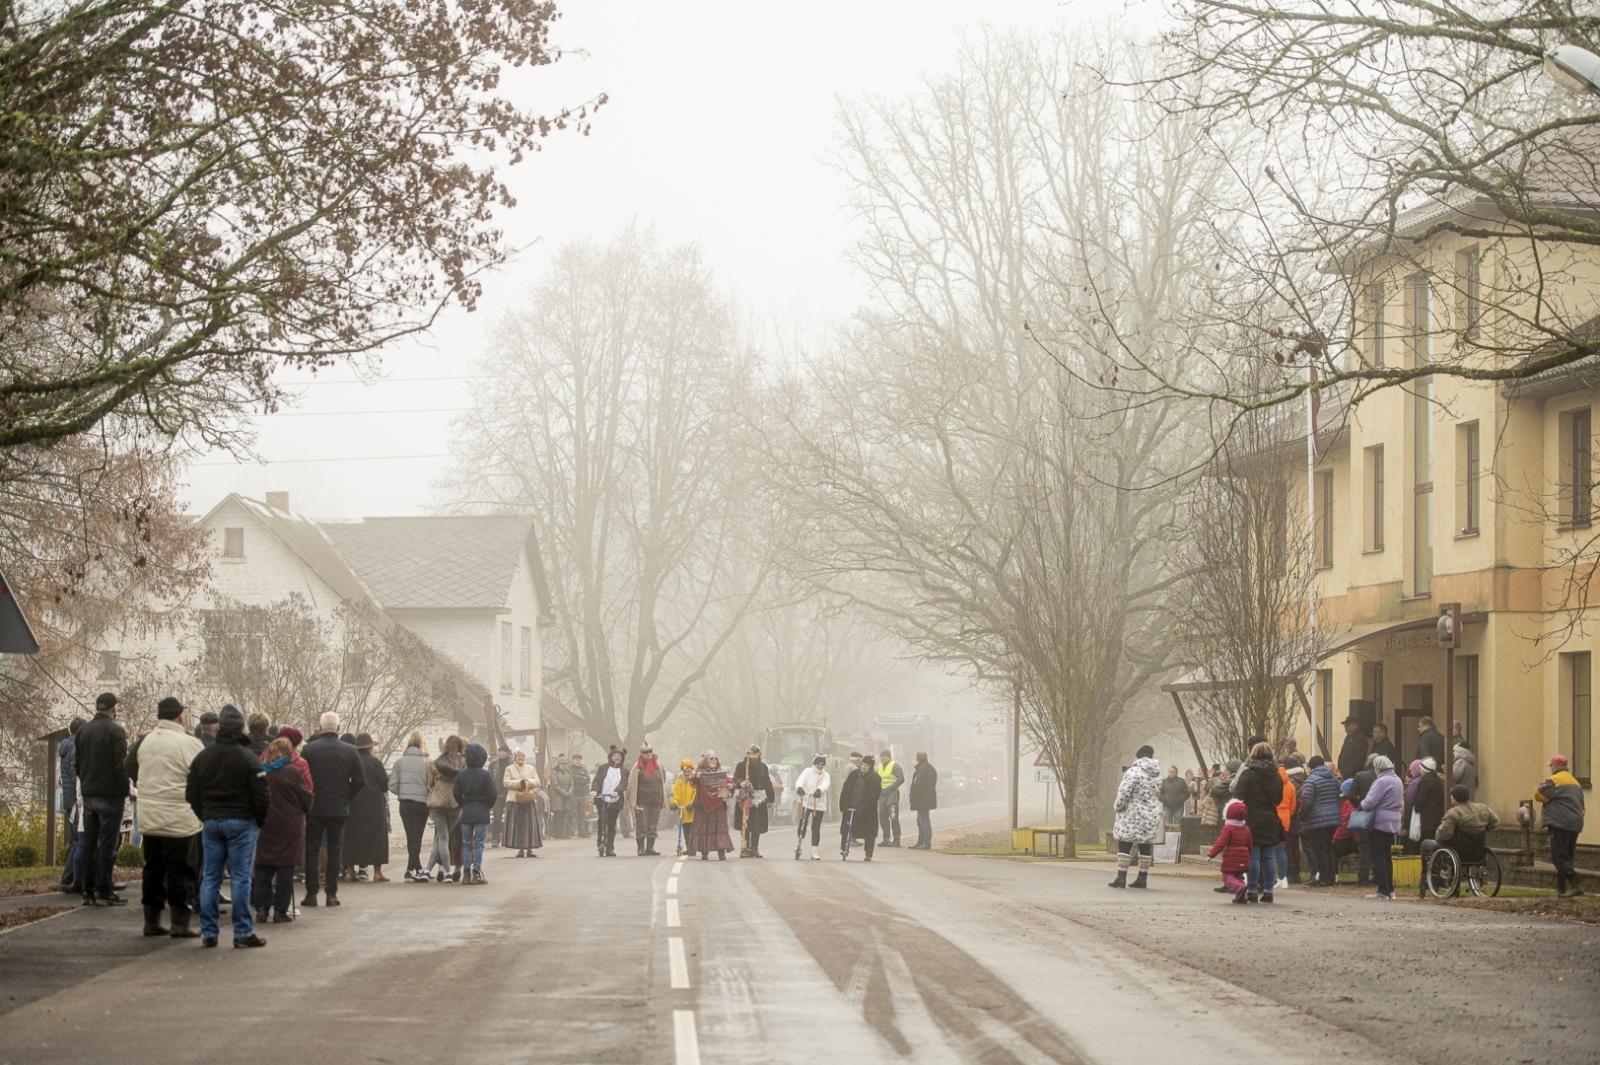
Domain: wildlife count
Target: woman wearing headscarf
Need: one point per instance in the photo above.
(282, 843)
(709, 830)
(683, 800)
(1384, 800)
(442, 806)
(409, 782)
(1427, 802)
(522, 829)
(366, 834)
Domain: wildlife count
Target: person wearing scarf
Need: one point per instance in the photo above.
(609, 789)
(709, 830)
(646, 793)
(282, 843)
(522, 830)
(295, 738)
(442, 805)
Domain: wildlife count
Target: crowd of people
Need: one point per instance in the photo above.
(260, 805)
(1277, 815)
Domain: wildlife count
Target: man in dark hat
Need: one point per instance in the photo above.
(1353, 754)
(101, 748)
(206, 731)
(754, 790)
(227, 790)
(608, 789)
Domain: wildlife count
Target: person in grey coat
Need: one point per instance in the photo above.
(408, 780)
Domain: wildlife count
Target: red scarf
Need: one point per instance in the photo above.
(648, 767)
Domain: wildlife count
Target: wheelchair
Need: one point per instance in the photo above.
(1467, 862)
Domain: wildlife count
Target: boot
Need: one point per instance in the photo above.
(639, 846)
(152, 921)
(1121, 880)
(180, 926)
(1572, 891)
(1142, 880)
(650, 848)
(1239, 897)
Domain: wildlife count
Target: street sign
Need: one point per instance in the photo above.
(1045, 776)
(1039, 761)
(16, 636)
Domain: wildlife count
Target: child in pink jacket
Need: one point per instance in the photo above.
(1234, 842)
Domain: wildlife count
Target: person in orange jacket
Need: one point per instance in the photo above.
(1286, 808)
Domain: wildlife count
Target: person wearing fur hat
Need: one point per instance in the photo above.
(609, 790)
(474, 792)
(1138, 808)
(1235, 843)
(522, 831)
(646, 795)
(709, 830)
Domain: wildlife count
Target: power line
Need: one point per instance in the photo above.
(331, 413)
(383, 380)
(341, 458)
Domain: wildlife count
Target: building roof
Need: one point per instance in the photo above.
(312, 546)
(463, 562)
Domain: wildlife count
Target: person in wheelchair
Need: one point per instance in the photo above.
(1464, 827)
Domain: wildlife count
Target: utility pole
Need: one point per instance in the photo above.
(1450, 636)
(1016, 741)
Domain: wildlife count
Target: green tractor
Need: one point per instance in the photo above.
(788, 749)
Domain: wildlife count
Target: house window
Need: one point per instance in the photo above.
(1577, 467)
(1375, 498)
(527, 658)
(1581, 711)
(1471, 295)
(1324, 488)
(234, 642)
(505, 656)
(233, 543)
(1469, 688)
(110, 665)
(1467, 459)
(1377, 295)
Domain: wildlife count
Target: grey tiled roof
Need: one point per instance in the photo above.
(459, 562)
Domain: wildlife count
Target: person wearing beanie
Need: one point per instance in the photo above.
(683, 793)
(475, 793)
(295, 738)
(159, 765)
(282, 843)
(811, 797)
(1561, 797)
(336, 778)
(1138, 809)
(227, 790)
(1235, 844)
(206, 730)
(608, 789)
(1346, 841)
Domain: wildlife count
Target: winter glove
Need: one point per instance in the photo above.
(817, 794)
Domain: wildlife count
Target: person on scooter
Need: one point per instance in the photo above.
(811, 794)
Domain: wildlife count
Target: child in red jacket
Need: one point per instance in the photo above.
(1234, 842)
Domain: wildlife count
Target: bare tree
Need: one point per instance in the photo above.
(615, 419)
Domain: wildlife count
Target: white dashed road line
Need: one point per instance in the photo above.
(686, 1037)
(672, 913)
(679, 963)
(672, 885)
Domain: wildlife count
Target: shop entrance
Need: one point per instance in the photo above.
(1416, 703)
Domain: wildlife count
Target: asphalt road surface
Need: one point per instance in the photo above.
(916, 956)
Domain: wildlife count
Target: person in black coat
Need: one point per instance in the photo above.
(366, 834)
(282, 843)
(336, 776)
(1353, 754)
(924, 799)
(858, 807)
(1382, 745)
(1430, 742)
(227, 789)
(1260, 788)
(752, 780)
(100, 749)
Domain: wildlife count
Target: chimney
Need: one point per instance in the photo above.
(278, 501)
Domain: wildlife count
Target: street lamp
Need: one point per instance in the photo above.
(1574, 68)
(1449, 638)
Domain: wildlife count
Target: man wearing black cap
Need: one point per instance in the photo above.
(206, 732)
(159, 764)
(755, 781)
(1353, 755)
(102, 789)
(227, 790)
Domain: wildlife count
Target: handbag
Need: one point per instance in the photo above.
(1415, 832)
(1361, 821)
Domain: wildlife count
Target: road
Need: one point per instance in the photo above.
(916, 956)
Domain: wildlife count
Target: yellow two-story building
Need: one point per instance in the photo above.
(1477, 493)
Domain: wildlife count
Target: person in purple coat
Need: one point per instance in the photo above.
(282, 843)
(1384, 799)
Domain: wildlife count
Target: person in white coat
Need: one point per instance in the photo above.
(159, 763)
(811, 793)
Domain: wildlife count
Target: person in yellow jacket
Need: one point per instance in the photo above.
(892, 778)
(1561, 796)
(683, 798)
